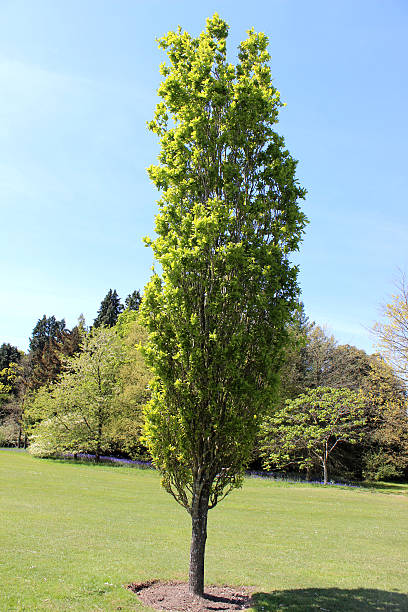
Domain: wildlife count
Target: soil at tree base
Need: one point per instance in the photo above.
(175, 596)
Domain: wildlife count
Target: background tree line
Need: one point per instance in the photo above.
(50, 397)
(374, 442)
(26, 380)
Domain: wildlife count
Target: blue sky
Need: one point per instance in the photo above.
(78, 82)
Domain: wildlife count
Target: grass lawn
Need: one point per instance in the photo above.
(72, 535)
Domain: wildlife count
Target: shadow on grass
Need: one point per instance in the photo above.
(330, 600)
(386, 486)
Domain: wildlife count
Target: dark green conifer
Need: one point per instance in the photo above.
(133, 300)
(109, 310)
(8, 354)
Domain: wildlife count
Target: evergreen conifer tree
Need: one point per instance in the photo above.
(133, 300)
(109, 310)
(50, 340)
(8, 354)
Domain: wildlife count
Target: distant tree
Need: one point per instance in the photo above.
(45, 345)
(134, 377)
(392, 332)
(229, 218)
(109, 310)
(315, 359)
(8, 377)
(12, 412)
(133, 300)
(385, 446)
(8, 354)
(312, 426)
(46, 330)
(75, 413)
(293, 371)
(50, 342)
(349, 368)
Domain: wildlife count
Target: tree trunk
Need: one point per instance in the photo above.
(325, 471)
(198, 539)
(325, 457)
(99, 439)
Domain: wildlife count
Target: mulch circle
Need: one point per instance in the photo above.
(174, 596)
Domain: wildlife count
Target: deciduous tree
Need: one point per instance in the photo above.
(392, 331)
(229, 218)
(312, 426)
(74, 414)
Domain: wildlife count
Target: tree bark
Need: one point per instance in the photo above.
(325, 457)
(198, 539)
(325, 471)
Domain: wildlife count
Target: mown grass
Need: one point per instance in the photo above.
(72, 535)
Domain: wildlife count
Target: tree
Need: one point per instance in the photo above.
(13, 410)
(217, 316)
(46, 330)
(134, 377)
(74, 414)
(385, 445)
(392, 333)
(350, 367)
(8, 354)
(109, 310)
(314, 359)
(50, 340)
(133, 301)
(313, 425)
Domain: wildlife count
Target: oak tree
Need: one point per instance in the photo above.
(228, 220)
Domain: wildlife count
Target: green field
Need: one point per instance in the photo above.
(72, 535)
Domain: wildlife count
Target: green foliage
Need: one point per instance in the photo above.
(74, 414)
(109, 310)
(50, 343)
(310, 427)
(316, 360)
(379, 466)
(96, 405)
(8, 354)
(8, 378)
(385, 452)
(46, 330)
(392, 331)
(229, 217)
(133, 301)
(134, 377)
(228, 220)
